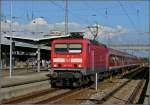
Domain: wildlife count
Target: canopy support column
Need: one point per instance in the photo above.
(38, 58)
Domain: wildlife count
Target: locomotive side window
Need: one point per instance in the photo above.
(61, 48)
(75, 48)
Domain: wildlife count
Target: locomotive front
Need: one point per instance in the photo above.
(67, 58)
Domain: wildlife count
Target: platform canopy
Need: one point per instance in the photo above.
(39, 42)
(44, 40)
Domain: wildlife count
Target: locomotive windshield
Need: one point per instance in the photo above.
(75, 48)
(61, 48)
(68, 48)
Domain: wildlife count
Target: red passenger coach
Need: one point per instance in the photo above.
(75, 61)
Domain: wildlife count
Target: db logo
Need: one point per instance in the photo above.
(68, 60)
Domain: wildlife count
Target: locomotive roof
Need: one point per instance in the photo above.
(113, 51)
(120, 53)
(98, 43)
(91, 41)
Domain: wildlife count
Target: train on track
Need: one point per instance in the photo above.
(74, 62)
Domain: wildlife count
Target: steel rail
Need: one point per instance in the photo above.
(60, 97)
(107, 96)
(26, 97)
(139, 86)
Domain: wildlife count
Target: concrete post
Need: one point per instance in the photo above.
(96, 81)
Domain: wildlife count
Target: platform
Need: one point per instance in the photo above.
(23, 82)
(21, 77)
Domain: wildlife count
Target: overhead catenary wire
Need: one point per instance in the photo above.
(104, 11)
(138, 14)
(105, 16)
(93, 9)
(129, 18)
(69, 12)
(32, 11)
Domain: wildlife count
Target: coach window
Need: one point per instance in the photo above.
(61, 48)
(75, 48)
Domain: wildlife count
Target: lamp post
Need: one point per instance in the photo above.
(66, 17)
(0, 37)
(10, 68)
(149, 51)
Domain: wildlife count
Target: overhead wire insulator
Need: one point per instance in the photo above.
(138, 11)
(106, 12)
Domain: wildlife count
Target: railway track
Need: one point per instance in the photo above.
(30, 98)
(75, 93)
(116, 96)
(135, 96)
(56, 96)
(53, 95)
(63, 98)
(60, 97)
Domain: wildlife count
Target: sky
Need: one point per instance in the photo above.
(120, 22)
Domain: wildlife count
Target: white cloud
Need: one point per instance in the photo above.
(105, 32)
(41, 25)
(72, 26)
(5, 26)
(39, 21)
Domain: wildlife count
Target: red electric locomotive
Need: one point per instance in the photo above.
(75, 61)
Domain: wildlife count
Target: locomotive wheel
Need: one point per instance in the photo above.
(101, 78)
(91, 80)
(80, 83)
(76, 84)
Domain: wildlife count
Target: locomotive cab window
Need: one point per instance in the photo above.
(75, 48)
(61, 48)
(68, 48)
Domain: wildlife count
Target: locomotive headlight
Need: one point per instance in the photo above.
(79, 65)
(55, 65)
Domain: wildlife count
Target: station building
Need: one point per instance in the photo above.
(23, 55)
